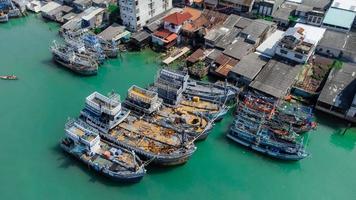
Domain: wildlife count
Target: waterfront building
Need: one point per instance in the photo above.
(136, 13)
(115, 33)
(94, 18)
(338, 96)
(46, 9)
(276, 78)
(58, 13)
(168, 36)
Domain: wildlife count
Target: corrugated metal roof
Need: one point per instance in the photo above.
(340, 86)
(338, 17)
(249, 66)
(276, 78)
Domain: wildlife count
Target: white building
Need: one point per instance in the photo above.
(298, 43)
(136, 13)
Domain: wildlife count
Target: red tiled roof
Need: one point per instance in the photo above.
(163, 33)
(177, 18)
(171, 37)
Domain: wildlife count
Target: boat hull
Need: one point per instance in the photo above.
(162, 160)
(264, 150)
(4, 18)
(132, 178)
(86, 72)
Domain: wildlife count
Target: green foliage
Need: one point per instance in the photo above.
(292, 18)
(267, 18)
(337, 64)
(114, 13)
(97, 30)
(113, 8)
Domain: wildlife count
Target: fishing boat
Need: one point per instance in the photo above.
(219, 92)
(77, 62)
(103, 112)
(142, 101)
(162, 146)
(4, 17)
(120, 126)
(9, 77)
(298, 116)
(85, 46)
(170, 86)
(117, 163)
(147, 105)
(110, 49)
(284, 113)
(181, 119)
(253, 129)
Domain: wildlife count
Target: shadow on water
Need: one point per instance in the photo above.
(154, 169)
(68, 161)
(341, 136)
(286, 165)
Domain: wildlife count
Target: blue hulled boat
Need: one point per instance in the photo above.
(253, 130)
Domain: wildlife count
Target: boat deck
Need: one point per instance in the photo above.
(165, 135)
(200, 106)
(182, 112)
(79, 132)
(104, 157)
(141, 142)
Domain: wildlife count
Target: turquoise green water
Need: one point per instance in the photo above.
(33, 111)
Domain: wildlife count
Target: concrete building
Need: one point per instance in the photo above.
(341, 15)
(267, 7)
(268, 47)
(332, 44)
(136, 13)
(312, 11)
(94, 19)
(299, 42)
(237, 6)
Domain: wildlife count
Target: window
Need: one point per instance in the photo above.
(284, 51)
(298, 56)
(314, 19)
